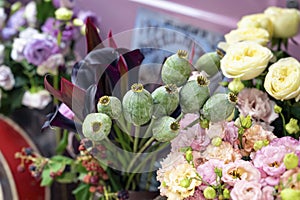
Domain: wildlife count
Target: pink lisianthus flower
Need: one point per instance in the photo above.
(231, 133)
(207, 170)
(269, 159)
(245, 190)
(240, 170)
(290, 179)
(268, 193)
(257, 104)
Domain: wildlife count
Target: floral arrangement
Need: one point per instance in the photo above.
(229, 145)
(254, 154)
(35, 43)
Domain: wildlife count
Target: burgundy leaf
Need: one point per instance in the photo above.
(92, 37)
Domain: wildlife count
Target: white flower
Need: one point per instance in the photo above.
(7, 80)
(37, 100)
(17, 49)
(30, 13)
(2, 48)
(28, 33)
(2, 17)
(51, 65)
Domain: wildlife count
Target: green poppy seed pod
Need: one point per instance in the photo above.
(209, 62)
(137, 105)
(165, 129)
(194, 94)
(96, 126)
(165, 100)
(110, 105)
(176, 69)
(219, 107)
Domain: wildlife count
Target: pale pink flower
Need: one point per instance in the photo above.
(215, 130)
(254, 134)
(270, 160)
(257, 104)
(207, 170)
(290, 179)
(224, 152)
(187, 119)
(268, 193)
(230, 133)
(51, 65)
(240, 170)
(244, 190)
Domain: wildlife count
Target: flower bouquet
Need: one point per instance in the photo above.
(224, 145)
(253, 154)
(37, 38)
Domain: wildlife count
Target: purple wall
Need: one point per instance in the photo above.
(215, 15)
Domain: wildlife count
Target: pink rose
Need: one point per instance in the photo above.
(244, 190)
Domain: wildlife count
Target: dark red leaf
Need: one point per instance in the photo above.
(92, 36)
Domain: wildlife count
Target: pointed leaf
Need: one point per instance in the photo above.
(111, 41)
(192, 53)
(92, 36)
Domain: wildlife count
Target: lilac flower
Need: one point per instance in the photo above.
(52, 27)
(230, 133)
(257, 104)
(207, 170)
(64, 3)
(15, 21)
(37, 51)
(51, 65)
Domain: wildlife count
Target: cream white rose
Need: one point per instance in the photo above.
(245, 60)
(285, 21)
(7, 80)
(37, 100)
(258, 35)
(259, 20)
(283, 79)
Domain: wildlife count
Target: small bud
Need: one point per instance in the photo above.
(63, 14)
(236, 85)
(204, 123)
(185, 182)
(216, 141)
(209, 193)
(288, 194)
(189, 155)
(92, 189)
(164, 184)
(78, 22)
(246, 122)
(292, 127)
(277, 109)
(226, 194)
(266, 142)
(15, 7)
(218, 172)
(258, 145)
(291, 160)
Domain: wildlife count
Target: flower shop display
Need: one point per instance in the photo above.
(34, 43)
(241, 144)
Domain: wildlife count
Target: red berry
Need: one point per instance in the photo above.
(92, 189)
(81, 148)
(52, 174)
(86, 178)
(100, 189)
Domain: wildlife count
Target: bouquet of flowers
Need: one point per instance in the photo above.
(37, 38)
(254, 154)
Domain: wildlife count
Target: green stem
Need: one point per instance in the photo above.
(149, 177)
(180, 117)
(147, 133)
(55, 84)
(136, 138)
(192, 123)
(283, 122)
(139, 152)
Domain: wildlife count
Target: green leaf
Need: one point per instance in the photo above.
(63, 143)
(82, 192)
(62, 159)
(46, 179)
(66, 178)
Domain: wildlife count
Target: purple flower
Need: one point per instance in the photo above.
(64, 3)
(37, 51)
(52, 26)
(15, 21)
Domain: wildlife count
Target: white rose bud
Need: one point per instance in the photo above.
(38, 100)
(30, 13)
